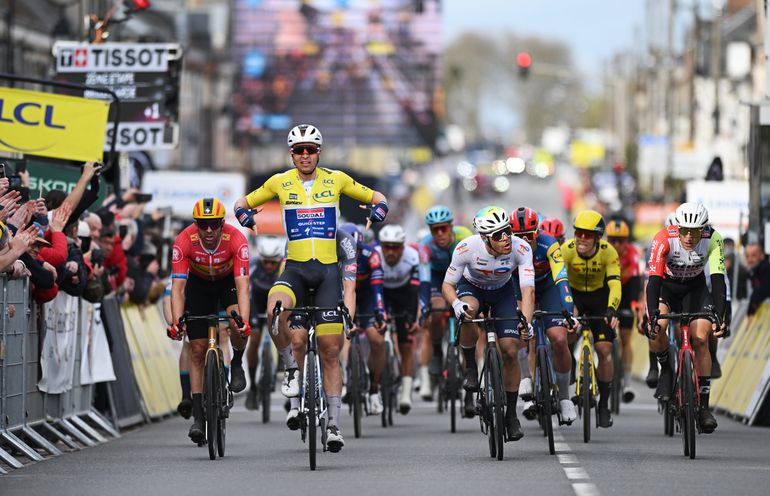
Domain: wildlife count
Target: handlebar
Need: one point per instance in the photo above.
(186, 317)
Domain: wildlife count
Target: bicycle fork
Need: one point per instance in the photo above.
(687, 348)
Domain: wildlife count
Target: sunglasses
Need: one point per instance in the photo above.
(440, 229)
(501, 234)
(391, 246)
(206, 224)
(528, 235)
(301, 150)
(583, 233)
(692, 231)
(266, 261)
(615, 240)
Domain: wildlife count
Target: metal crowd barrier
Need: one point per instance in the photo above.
(29, 418)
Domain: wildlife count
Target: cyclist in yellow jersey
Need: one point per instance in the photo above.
(309, 197)
(593, 271)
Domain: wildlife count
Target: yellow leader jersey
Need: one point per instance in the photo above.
(591, 274)
(310, 217)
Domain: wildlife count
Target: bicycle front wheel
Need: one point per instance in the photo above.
(544, 396)
(688, 406)
(221, 410)
(266, 382)
(617, 378)
(211, 403)
(497, 403)
(354, 389)
(311, 387)
(386, 383)
(585, 394)
(452, 385)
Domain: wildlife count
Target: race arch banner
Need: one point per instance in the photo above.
(51, 125)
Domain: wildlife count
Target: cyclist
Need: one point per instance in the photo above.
(554, 228)
(210, 270)
(552, 294)
(263, 270)
(593, 272)
(309, 197)
(401, 285)
(480, 275)
(677, 283)
(346, 256)
(630, 281)
(369, 298)
(435, 254)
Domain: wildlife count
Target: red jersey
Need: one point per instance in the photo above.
(629, 263)
(231, 256)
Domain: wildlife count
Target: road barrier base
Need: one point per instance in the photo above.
(87, 429)
(61, 436)
(20, 445)
(33, 436)
(9, 460)
(74, 432)
(104, 424)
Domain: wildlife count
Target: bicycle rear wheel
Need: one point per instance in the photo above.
(498, 401)
(266, 382)
(585, 394)
(668, 419)
(354, 388)
(688, 406)
(211, 403)
(311, 385)
(221, 413)
(544, 395)
(386, 384)
(617, 378)
(452, 385)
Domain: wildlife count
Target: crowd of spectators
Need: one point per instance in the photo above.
(67, 242)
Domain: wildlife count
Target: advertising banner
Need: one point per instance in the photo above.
(180, 190)
(50, 125)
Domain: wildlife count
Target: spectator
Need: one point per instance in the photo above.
(56, 251)
(73, 275)
(42, 274)
(759, 275)
(96, 285)
(739, 290)
(115, 261)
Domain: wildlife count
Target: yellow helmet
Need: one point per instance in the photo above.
(617, 229)
(208, 208)
(590, 220)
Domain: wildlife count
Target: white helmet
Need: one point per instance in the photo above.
(304, 133)
(692, 215)
(392, 233)
(490, 219)
(270, 247)
(670, 219)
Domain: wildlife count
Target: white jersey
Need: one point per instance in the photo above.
(405, 270)
(472, 261)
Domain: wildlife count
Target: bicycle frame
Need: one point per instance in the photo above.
(585, 344)
(541, 343)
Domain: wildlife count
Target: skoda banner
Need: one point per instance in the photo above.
(51, 125)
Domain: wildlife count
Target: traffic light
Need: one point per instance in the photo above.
(140, 5)
(523, 61)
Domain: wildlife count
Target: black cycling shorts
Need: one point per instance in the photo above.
(594, 303)
(258, 307)
(630, 292)
(299, 277)
(688, 296)
(401, 303)
(202, 297)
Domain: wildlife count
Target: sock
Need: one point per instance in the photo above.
(562, 380)
(653, 360)
(604, 393)
(294, 403)
(470, 357)
(705, 390)
(333, 408)
(373, 388)
(510, 403)
(252, 376)
(184, 378)
(197, 401)
(237, 358)
(524, 364)
(626, 378)
(288, 358)
(663, 358)
(438, 351)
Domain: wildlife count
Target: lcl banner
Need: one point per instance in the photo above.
(51, 125)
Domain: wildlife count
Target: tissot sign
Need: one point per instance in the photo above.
(144, 57)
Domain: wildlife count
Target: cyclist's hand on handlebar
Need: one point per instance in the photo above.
(461, 309)
(526, 332)
(611, 318)
(653, 328)
(245, 330)
(175, 332)
(721, 331)
(571, 323)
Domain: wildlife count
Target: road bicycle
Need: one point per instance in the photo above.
(586, 387)
(217, 397)
(391, 374)
(358, 375)
(449, 382)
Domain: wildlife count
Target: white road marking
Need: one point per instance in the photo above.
(567, 458)
(576, 473)
(585, 489)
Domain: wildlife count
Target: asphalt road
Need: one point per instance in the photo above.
(417, 456)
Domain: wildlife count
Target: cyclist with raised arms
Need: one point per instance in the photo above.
(435, 254)
(309, 196)
(593, 271)
(401, 284)
(210, 271)
(263, 270)
(677, 283)
(480, 275)
(552, 294)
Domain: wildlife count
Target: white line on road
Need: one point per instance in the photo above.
(567, 458)
(585, 489)
(573, 473)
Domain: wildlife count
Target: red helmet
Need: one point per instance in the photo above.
(523, 219)
(553, 227)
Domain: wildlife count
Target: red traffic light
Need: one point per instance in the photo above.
(524, 60)
(141, 4)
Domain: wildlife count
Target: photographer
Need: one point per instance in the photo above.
(73, 275)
